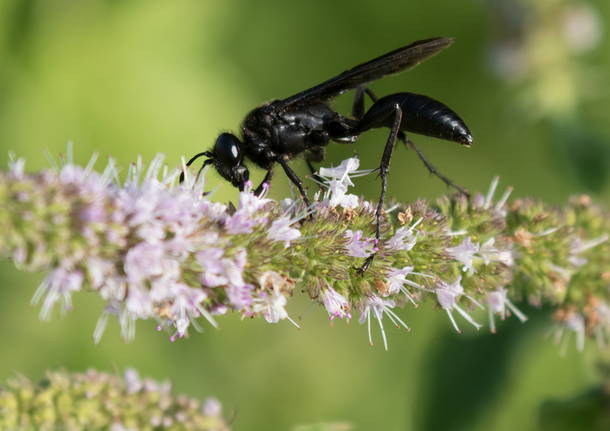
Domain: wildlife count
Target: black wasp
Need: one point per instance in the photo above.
(280, 130)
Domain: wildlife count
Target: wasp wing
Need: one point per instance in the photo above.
(393, 62)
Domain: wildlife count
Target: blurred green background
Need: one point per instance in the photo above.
(128, 78)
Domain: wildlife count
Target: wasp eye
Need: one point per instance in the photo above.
(227, 149)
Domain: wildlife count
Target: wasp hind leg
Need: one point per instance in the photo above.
(358, 105)
(409, 143)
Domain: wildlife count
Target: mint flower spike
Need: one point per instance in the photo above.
(96, 400)
(152, 248)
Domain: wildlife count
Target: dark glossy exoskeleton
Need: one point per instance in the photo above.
(280, 130)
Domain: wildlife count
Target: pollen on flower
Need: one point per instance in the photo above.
(405, 217)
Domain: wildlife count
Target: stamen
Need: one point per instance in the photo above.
(491, 192)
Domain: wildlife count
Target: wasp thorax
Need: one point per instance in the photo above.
(227, 150)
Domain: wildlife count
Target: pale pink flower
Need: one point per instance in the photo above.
(448, 295)
(336, 304)
(139, 303)
(579, 246)
(272, 306)
(245, 218)
(58, 286)
(464, 253)
(343, 171)
(280, 230)
(214, 270)
(377, 307)
(338, 180)
(242, 222)
(186, 308)
(397, 279)
(357, 246)
(338, 195)
(144, 261)
(271, 301)
(404, 238)
(497, 303)
(240, 296)
(489, 253)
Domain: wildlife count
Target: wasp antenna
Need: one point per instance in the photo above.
(192, 160)
(196, 156)
(207, 162)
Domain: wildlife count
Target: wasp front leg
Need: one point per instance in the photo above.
(266, 180)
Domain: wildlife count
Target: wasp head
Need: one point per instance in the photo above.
(228, 160)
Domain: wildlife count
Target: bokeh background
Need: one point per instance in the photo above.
(128, 78)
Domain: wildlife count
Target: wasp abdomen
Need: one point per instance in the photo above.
(420, 114)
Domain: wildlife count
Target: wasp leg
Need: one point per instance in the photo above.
(358, 105)
(315, 154)
(384, 169)
(409, 143)
(295, 180)
(314, 174)
(266, 180)
(358, 112)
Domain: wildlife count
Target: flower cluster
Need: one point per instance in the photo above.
(95, 400)
(156, 249)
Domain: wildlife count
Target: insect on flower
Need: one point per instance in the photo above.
(304, 123)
